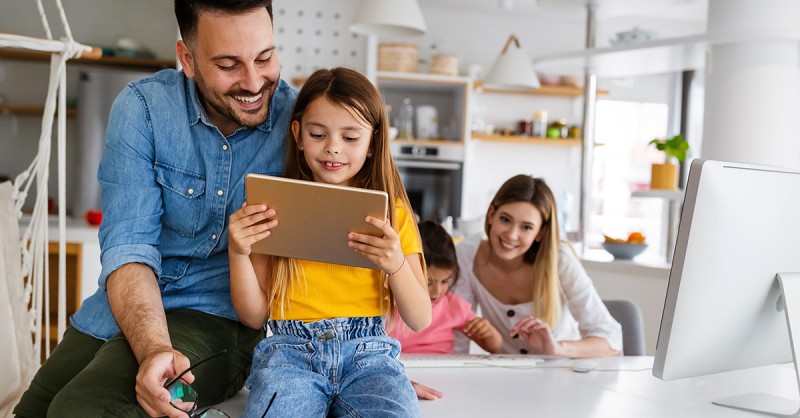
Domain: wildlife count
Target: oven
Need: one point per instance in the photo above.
(432, 173)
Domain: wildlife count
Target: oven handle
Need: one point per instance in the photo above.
(438, 165)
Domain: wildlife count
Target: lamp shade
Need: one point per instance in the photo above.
(512, 69)
(392, 18)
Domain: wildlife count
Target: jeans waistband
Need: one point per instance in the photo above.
(339, 328)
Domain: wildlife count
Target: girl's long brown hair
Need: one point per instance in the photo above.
(543, 253)
(354, 92)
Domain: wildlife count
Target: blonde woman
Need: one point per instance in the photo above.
(529, 284)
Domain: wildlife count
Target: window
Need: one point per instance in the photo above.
(622, 164)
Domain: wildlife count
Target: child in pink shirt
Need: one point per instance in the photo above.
(449, 311)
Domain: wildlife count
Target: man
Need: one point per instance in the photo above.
(178, 145)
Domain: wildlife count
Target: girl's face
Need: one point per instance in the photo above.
(514, 228)
(334, 141)
(439, 282)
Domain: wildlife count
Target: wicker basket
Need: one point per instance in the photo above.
(397, 57)
(444, 64)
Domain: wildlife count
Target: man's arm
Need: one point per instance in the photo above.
(135, 301)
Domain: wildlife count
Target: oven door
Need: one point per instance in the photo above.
(433, 187)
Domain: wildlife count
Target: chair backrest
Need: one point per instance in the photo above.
(629, 316)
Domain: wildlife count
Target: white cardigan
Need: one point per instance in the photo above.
(583, 312)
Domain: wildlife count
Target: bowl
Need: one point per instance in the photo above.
(624, 251)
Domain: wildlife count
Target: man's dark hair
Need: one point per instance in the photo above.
(187, 12)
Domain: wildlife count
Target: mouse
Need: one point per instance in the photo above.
(583, 366)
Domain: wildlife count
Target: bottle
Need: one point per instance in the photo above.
(405, 120)
(540, 124)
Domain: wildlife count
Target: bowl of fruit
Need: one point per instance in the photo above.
(625, 249)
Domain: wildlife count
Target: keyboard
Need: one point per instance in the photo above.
(470, 360)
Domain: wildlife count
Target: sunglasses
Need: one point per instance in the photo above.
(184, 398)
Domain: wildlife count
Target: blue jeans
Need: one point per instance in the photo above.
(340, 367)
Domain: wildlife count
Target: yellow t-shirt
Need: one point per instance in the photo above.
(336, 291)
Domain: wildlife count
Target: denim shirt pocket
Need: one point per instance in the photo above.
(182, 192)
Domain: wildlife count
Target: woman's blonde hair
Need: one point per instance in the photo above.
(543, 253)
(355, 93)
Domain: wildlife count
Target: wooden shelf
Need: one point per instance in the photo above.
(429, 142)
(29, 110)
(153, 64)
(562, 91)
(660, 194)
(557, 142)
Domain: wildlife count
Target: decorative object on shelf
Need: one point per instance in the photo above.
(512, 69)
(633, 36)
(444, 65)
(397, 57)
(393, 18)
(665, 176)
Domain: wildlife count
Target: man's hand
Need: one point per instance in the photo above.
(156, 369)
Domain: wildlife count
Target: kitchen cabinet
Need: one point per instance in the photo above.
(82, 268)
(432, 169)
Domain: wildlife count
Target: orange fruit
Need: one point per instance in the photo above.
(636, 238)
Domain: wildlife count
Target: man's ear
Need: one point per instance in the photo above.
(185, 57)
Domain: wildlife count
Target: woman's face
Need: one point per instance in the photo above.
(513, 229)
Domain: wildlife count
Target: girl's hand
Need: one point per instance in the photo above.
(425, 392)
(478, 329)
(384, 251)
(244, 229)
(537, 334)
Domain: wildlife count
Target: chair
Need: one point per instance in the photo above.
(629, 316)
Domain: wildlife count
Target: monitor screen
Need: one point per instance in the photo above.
(724, 309)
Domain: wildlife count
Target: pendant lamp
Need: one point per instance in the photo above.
(512, 70)
(389, 18)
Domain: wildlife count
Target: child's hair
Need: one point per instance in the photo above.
(354, 92)
(543, 253)
(438, 247)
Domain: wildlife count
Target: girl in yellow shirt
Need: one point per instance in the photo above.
(330, 355)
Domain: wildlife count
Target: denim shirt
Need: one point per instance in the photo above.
(169, 181)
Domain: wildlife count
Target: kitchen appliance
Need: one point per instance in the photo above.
(432, 174)
(97, 90)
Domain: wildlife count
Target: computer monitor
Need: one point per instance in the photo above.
(736, 254)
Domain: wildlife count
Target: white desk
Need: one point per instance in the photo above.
(605, 392)
(560, 392)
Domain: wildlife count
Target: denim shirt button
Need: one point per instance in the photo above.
(214, 237)
(190, 191)
(224, 147)
(220, 192)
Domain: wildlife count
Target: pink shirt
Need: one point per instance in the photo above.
(449, 313)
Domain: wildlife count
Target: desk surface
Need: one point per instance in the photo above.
(619, 387)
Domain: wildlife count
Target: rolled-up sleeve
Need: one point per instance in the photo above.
(131, 199)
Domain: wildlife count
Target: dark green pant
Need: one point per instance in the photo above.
(86, 377)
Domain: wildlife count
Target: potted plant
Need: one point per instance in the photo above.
(665, 176)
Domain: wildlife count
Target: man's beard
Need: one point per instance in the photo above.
(227, 110)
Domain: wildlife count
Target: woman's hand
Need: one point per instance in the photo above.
(425, 392)
(384, 251)
(244, 228)
(537, 334)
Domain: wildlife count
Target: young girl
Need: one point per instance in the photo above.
(330, 355)
(450, 311)
(529, 284)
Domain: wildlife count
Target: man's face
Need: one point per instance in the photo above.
(235, 65)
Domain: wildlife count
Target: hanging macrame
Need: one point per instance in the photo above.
(24, 295)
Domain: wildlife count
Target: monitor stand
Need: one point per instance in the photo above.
(764, 403)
